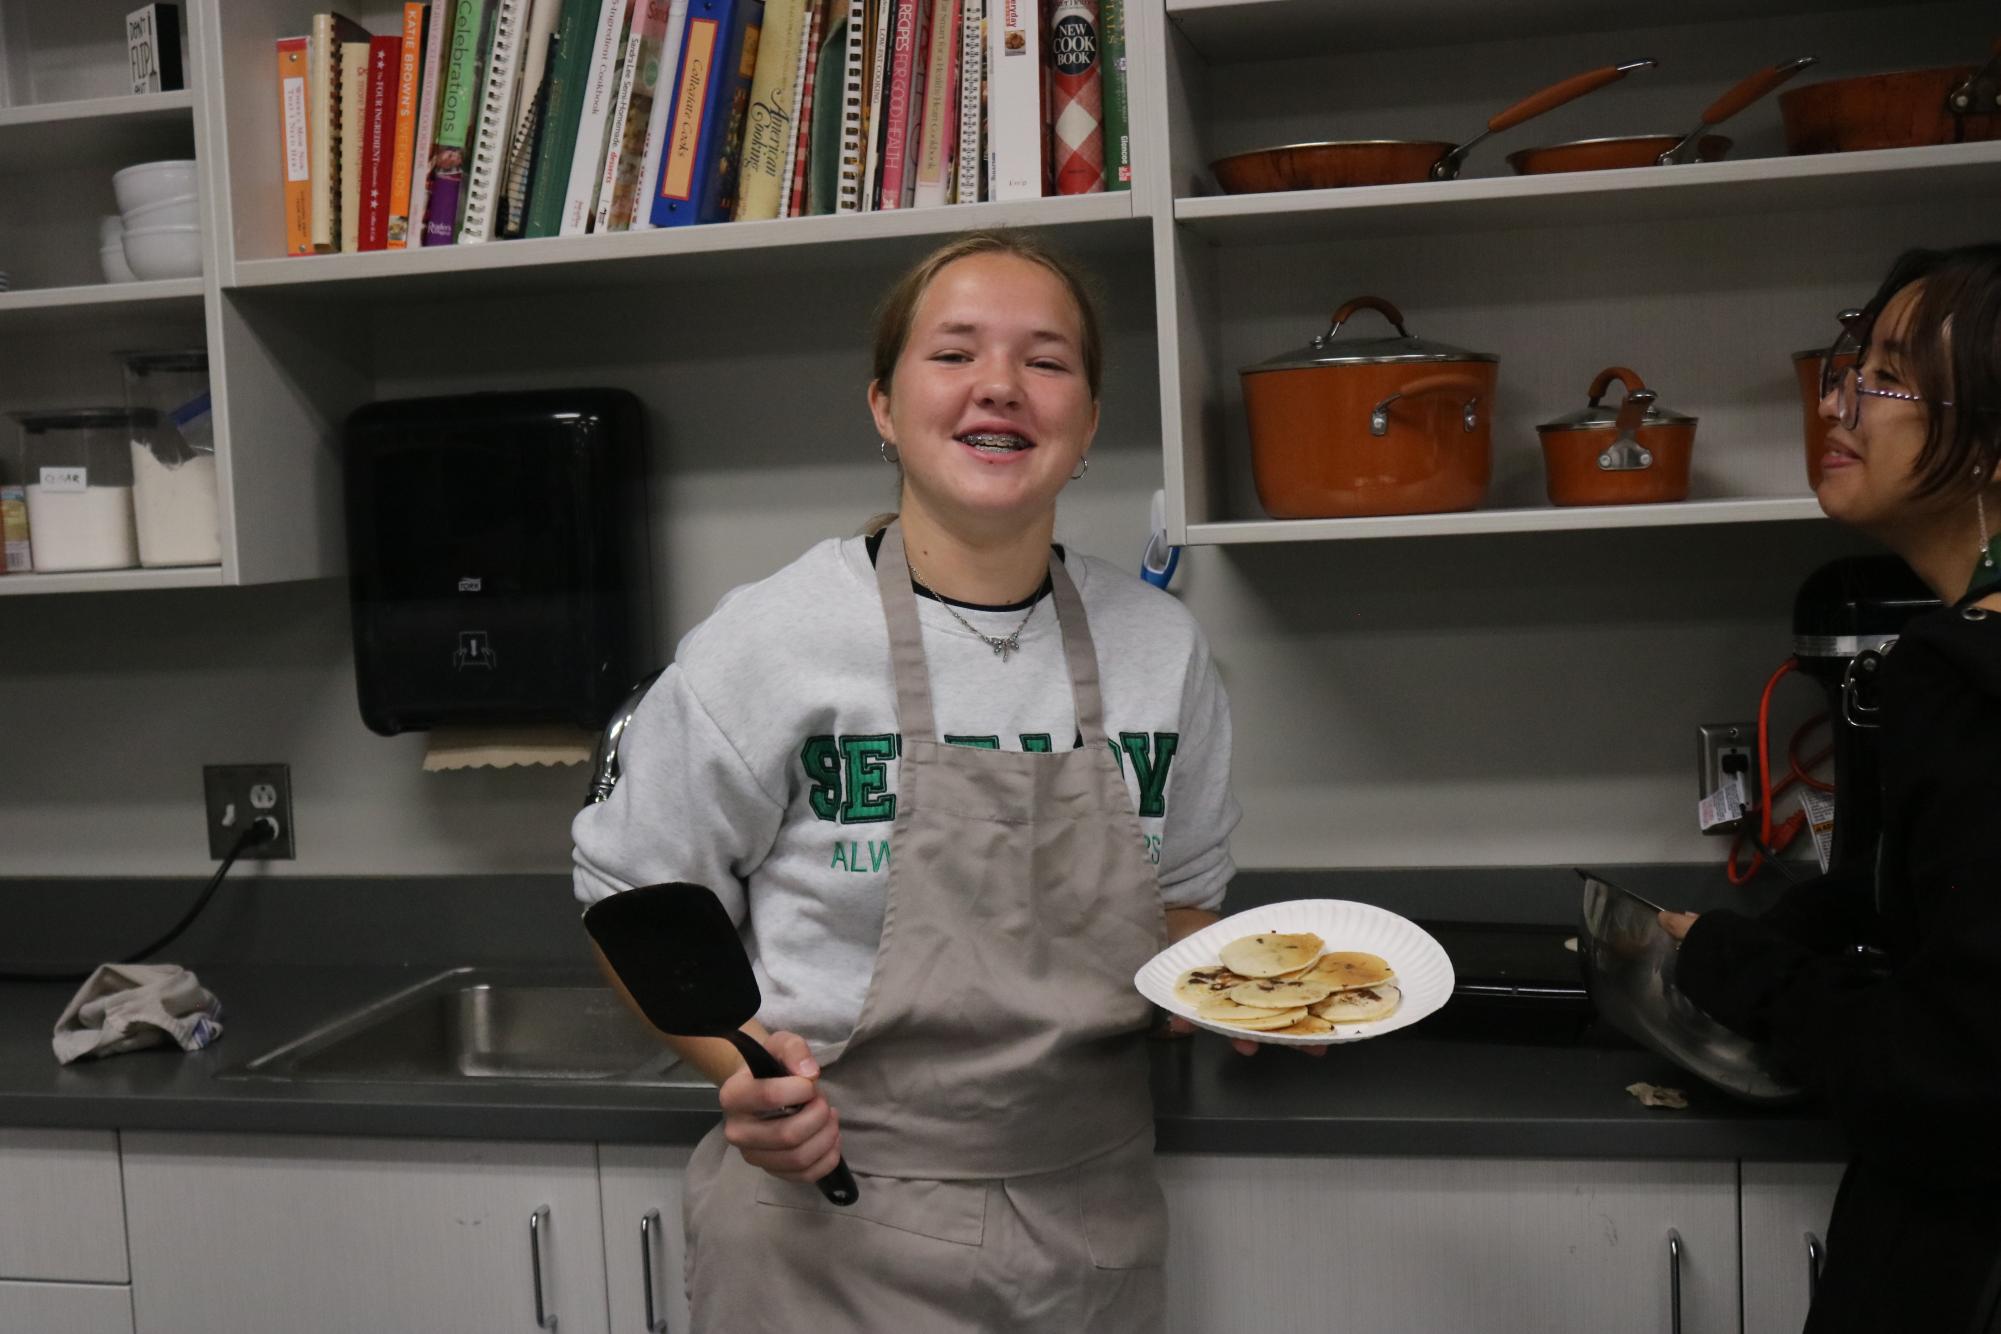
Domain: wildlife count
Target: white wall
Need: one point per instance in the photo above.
(1521, 699)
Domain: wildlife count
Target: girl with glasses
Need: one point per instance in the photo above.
(1908, 1056)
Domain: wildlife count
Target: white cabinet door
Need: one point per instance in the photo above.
(644, 1246)
(1786, 1208)
(248, 1234)
(62, 1214)
(1503, 1246)
(66, 1308)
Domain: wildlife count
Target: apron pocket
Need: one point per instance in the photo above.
(1125, 1213)
(954, 1211)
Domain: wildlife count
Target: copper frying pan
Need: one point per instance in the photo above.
(1955, 104)
(1646, 150)
(1336, 164)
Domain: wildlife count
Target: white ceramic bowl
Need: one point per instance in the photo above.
(184, 210)
(173, 251)
(150, 182)
(112, 260)
(110, 228)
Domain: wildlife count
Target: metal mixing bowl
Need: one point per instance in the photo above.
(1629, 967)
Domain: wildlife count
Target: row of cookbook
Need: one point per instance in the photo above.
(483, 120)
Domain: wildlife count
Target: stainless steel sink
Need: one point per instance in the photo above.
(482, 1024)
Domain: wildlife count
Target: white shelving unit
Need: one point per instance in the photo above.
(69, 124)
(1704, 278)
(126, 128)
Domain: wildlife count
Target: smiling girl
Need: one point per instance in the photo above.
(1909, 1061)
(955, 784)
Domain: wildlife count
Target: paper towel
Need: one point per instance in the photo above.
(504, 747)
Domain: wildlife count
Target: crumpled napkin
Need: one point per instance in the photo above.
(125, 1006)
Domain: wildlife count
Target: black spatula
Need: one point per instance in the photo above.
(678, 955)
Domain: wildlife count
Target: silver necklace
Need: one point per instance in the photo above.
(1002, 645)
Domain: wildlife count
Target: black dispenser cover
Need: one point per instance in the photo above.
(498, 554)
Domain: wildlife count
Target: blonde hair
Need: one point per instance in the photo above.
(899, 306)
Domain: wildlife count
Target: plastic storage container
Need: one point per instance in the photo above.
(173, 459)
(79, 483)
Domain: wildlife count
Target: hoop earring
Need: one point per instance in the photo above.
(1083, 466)
(889, 454)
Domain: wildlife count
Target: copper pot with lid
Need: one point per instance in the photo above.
(1637, 453)
(1368, 426)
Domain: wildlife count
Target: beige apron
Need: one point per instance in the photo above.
(993, 1097)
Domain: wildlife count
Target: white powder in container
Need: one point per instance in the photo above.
(87, 529)
(176, 509)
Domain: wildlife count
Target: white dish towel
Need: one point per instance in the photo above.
(125, 1006)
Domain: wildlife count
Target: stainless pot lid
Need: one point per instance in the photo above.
(1336, 349)
(1604, 416)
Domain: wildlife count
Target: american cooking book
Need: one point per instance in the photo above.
(771, 114)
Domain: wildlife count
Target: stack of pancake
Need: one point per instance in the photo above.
(1278, 983)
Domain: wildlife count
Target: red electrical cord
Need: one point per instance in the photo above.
(1774, 841)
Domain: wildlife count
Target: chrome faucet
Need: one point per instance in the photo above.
(604, 766)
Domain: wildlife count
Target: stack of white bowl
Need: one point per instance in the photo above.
(157, 232)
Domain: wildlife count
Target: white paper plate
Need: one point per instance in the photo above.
(1423, 971)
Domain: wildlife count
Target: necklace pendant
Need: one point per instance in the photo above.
(1000, 647)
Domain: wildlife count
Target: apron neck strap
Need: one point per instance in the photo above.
(906, 644)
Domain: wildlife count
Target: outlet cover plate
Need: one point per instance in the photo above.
(236, 794)
(1716, 741)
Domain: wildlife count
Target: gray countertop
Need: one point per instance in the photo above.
(1400, 1094)
(1421, 1091)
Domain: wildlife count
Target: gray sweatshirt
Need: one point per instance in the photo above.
(763, 762)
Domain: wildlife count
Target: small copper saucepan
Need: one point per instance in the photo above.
(1636, 454)
(1647, 150)
(1336, 164)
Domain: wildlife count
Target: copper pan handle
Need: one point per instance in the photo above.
(1375, 303)
(1628, 378)
(1447, 382)
(1751, 89)
(1549, 99)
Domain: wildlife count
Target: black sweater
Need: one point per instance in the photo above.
(1906, 1049)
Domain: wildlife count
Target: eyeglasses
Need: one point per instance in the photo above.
(1841, 373)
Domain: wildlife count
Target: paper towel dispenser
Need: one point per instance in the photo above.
(498, 557)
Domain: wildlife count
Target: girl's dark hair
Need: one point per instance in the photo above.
(1951, 353)
(899, 307)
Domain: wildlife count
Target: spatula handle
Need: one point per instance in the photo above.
(839, 1184)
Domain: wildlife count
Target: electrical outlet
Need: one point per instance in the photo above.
(1726, 752)
(237, 794)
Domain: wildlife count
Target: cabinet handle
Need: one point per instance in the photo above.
(1674, 1281)
(655, 1324)
(1815, 1256)
(538, 1220)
